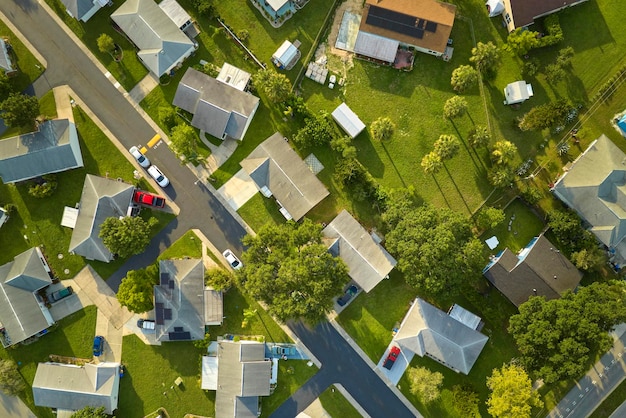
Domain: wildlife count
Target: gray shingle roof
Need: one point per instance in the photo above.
(81, 9)
(243, 375)
(594, 187)
(20, 313)
(51, 149)
(535, 268)
(185, 298)
(218, 108)
(367, 261)
(275, 165)
(213, 306)
(162, 45)
(426, 330)
(71, 387)
(102, 198)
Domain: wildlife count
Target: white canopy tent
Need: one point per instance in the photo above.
(517, 92)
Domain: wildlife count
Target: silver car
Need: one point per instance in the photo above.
(158, 176)
(141, 159)
(232, 259)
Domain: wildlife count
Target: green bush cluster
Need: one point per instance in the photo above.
(45, 188)
(553, 30)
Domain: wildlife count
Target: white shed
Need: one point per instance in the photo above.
(517, 92)
(494, 7)
(284, 54)
(348, 120)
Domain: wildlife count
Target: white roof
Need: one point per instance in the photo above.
(69, 217)
(376, 47)
(209, 373)
(492, 242)
(495, 7)
(233, 76)
(348, 120)
(517, 92)
(175, 12)
(285, 53)
(277, 4)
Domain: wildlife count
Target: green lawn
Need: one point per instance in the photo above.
(29, 67)
(260, 211)
(130, 70)
(337, 405)
(291, 375)
(610, 404)
(189, 245)
(71, 337)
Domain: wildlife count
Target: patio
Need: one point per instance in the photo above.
(404, 59)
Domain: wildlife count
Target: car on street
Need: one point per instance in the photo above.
(392, 357)
(349, 294)
(148, 199)
(283, 350)
(158, 176)
(98, 345)
(141, 159)
(232, 259)
(60, 294)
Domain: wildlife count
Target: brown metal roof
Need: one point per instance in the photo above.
(524, 12)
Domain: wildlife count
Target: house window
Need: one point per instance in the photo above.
(507, 17)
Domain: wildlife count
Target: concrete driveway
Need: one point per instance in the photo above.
(401, 364)
(73, 303)
(238, 190)
(12, 406)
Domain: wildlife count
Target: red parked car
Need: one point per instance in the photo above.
(148, 199)
(391, 358)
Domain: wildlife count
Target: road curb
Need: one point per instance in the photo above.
(352, 401)
(23, 39)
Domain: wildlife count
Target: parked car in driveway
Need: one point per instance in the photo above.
(98, 345)
(392, 357)
(158, 176)
(148, 199)
(60, 294)
(349, 293)
(283, 350)
(232, 259)
(141, 159)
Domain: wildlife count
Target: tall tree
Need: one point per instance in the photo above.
(105, 43)
(90, 412)
(382, 128)
(435, 247)
(185, 140)
(431, 163)
(490, 217)
(447, 147)
(464, 77)
(289, 268)
(5, 85)
(424, 383)
(486, 58)
(558, 338)
(512, 394)
(19, 110)
(11, 381)
(276, 86)
(479, 137)
(501, 176)
(454, 107)
(544, 116)
(127, 236)
(522, 40)
(137, 289)
(317, 131)
(503, 152)
(219, 279)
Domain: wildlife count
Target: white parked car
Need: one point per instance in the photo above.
(158, 176)
(141, 159)
(232, 259)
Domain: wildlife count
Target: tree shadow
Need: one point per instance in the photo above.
(457, 189)
(478, 168)
(393, 164)
(441, 190)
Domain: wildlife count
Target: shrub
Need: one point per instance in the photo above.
(45, 188)
(382, 128)
(219, 279)
(167, 116)
(531, 195)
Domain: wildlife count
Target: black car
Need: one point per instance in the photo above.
(349, 293)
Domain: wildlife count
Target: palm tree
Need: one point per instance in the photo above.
(503, 152)
(454, 107)
(431, 163)
(446, 147)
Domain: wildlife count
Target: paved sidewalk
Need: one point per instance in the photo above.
(143, 88)
(219, 154)
(238, 190)
(12, 406)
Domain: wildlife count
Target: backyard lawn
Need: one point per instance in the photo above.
(337, 405)
(291, 375)
(260, 211)
(189, 245)
(71, 337)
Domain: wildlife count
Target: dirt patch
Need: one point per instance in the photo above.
(353, 6)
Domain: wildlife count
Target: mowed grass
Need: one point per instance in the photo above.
(149, 380)
(189, 245)
(291, 375)
(336, 405)
(260, 211)
(71, 337)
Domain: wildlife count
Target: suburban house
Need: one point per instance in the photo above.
(53, 148)
(180, 17)
(70, 387)
(387, 24)
(522, 13)
(243, 374)
(538, 270)
(451, 339)
(102, 198)
(6, 63)
(162, 45)
(517, 92)
(23, 313)
(278, 171)
(183, 306)
(218, 108)
(83, 9)
(368, 262)
(593, 185)
(348, 120)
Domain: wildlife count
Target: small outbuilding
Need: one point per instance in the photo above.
(285, 56)
(348, 120)
(621, 124)
(494, 7)
(517, 92)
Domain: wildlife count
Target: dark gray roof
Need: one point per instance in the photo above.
(102, 198)
(243, 375)
(426, 330)
(20, 312)
(184, 296)
(539, 266)
(51, 149)
(71, 387)
(275, 165)
(367, 261)
(161, 43)
(218, 108)
(213, 306)
(81, 8)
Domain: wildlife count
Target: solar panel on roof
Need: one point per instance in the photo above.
(159, 316)
(178, 329)
(165, 277)
(381, 23)
(421, 23)
(431, 27)
(171, 285)
(393, 16)
(167, 313)
(159, 305)
(385, 20)
(177, 336)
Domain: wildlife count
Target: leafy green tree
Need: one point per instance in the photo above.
(464, 77)
(465, 401)
(447, 147)
(90, 412)
(127, 236)
(521, 41)
(289, 268)
(205, 8)
(503, 152)
(531, 67)
(454, 107)
(382, 128)
(435, 247)
(501, 176)
(431, 163)
(569, 232)
(105, 43)
(219, 279)
(486, 58)
(137, 289)
(490, 217)
(5, 85)
(512, 394)
(588, 258)
(167, 116)
(317, 131)
(479, 136)
(276, 86)
(343, 145)
(544, 116)
(555, 73)
(558, 338)
(11, 381)
(41, 190)
(185, 140)
(424, 384)
(565, 56)
(19, 110)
